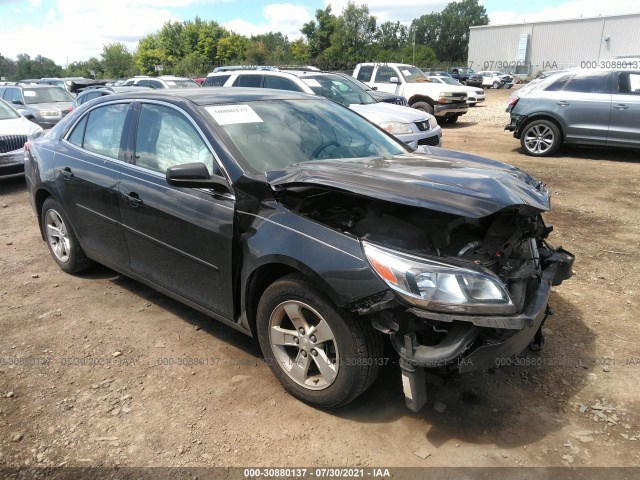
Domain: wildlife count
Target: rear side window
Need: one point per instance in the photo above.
(103, 133)
(596, 82)
(280, 83)
(629, 83)
(77, 135)
(558, 84)
(384, 74)
(364, 74)
(248, 81)
(217, 81)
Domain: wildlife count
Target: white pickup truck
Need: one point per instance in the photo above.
(446, 102)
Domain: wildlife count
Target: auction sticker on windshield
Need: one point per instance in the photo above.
(312, 82)
(29, 93)
(230, 114)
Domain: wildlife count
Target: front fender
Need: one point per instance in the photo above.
(334, 261)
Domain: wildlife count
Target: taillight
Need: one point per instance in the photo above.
(513, 99)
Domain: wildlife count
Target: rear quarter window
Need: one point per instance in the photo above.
(592, 82)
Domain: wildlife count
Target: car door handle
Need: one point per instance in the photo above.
(620, 106)
(133, 200)
(67, 173)
(562, 103)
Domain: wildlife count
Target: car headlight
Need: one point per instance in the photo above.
(396, 128)
(439, 286)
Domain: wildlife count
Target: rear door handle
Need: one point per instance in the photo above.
(620, 106)
(133, 200)
(67, 173)
(562, 103)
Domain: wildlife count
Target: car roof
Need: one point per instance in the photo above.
(212, 95)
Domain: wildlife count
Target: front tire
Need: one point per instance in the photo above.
(62, 242)
(424, 106)
(496, 84)
(322, 356)
(540, 138)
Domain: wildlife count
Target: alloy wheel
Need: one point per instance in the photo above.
(539, 139)
(57, 235)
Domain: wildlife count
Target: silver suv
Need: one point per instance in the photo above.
(411, 126)
(581, 107)
(163, 81)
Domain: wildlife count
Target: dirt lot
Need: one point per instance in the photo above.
(92, 367)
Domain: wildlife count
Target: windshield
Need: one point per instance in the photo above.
(46, 95)
(181, 83)
(338, 89)
(6, 112)
(412, 74)
(272, 135)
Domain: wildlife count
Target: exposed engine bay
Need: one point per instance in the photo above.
(509, 243)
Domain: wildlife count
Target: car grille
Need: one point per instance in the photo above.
(423, 126)
(9, 143)
(432, 141)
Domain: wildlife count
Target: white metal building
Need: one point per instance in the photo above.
(528, 48)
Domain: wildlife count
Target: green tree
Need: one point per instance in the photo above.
(192, 65)
(149, 54)
(117, 61)
(7, 69)
(37, 68)
(300, 51)
(319, 31)
(231, 48)
(447, 32)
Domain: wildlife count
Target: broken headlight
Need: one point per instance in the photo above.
(440, 286)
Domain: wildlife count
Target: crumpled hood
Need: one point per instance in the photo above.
(445, 181)
(388, 112)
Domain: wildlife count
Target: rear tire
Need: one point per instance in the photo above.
(424, 106)
(540, 138)
(62, 242)
(322, 356)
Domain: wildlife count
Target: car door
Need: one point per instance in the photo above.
(179, 239)
(382, 79)
(624, 126)
(583, 105)
(89, 164)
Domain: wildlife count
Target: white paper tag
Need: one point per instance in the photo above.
(231, 114)
(171, 82)
(312, 82)
(29, 93)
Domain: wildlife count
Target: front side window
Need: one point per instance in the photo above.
(629, 83)
(593, 82)
(165, 138)
(100, 131)
(280, 83)
(216, 81)
(338, 89)
(384, 74)
(12, 95)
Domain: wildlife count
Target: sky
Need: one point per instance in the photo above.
(74, 30)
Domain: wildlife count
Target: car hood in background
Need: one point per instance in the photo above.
(60, 106)
(388, 112)
(446, 181)
(18, 126)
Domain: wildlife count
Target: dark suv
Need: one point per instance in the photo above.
(461, 74)
(293, 219)
(581, 107)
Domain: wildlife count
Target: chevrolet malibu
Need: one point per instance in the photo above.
(296, 221)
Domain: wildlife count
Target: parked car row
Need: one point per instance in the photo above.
(412, 127)
(15, 131)
(46, 105)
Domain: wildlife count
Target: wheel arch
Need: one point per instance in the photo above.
(271, 270)
(421, 98)
(39, 198)
(541, 116)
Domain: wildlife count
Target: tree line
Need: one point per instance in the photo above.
(330, 41)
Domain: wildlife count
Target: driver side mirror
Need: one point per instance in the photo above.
(195, 175)
(17, 102)
(394, 80)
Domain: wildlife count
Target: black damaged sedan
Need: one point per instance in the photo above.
(294, 220)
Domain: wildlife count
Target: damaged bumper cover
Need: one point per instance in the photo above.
(466, 345)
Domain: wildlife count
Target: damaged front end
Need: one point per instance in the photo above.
(468, 272)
